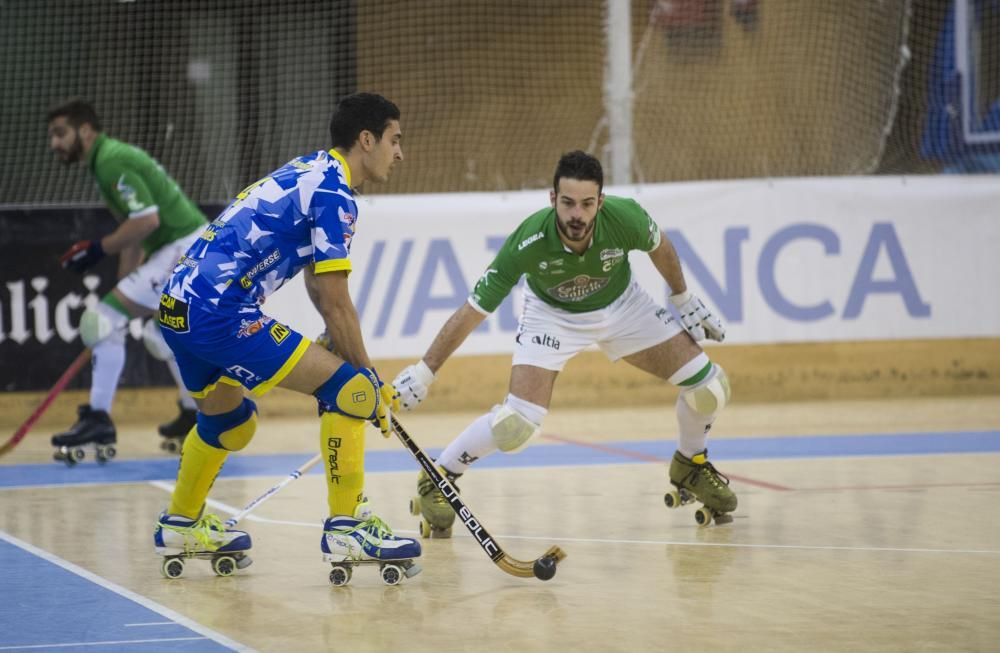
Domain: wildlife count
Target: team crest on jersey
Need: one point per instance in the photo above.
(348, 220)
(250, 327)
(613, 253)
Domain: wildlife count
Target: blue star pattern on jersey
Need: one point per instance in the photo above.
(304, 212)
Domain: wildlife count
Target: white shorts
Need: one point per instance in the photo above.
(548, 337)
(144, 285)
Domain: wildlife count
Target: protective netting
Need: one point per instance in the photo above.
(492, 92)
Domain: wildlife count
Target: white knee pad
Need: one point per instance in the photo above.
(155, 344)
(96, 324)
(514, 423)
(711, 395)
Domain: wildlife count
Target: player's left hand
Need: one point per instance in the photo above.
(696, 318)
(82, 255)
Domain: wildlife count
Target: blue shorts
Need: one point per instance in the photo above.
(241, 349)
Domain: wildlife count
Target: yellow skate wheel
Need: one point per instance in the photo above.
(172, 567)
(703, 516)
(415, 506)
(425, 529)
(672, 499)
(224, 565)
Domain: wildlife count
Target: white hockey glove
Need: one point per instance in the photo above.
(696, 318)
(412, 384)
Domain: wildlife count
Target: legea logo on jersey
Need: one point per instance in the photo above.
(530, 239)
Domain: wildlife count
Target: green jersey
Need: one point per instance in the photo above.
(572, 282)
(133, 184)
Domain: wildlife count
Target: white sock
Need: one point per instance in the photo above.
(693, 429)
(108, 360)
(475, 442)
(187, 401)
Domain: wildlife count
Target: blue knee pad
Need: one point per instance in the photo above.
(231, 431)
(350, 391)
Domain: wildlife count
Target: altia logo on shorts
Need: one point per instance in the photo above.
(546, 340)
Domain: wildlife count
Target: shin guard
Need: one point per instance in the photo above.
(342, 443)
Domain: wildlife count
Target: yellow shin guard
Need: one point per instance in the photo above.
(200, 464)
(342, 443)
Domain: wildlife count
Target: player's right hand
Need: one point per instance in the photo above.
(82, 255)
(700, 322)
(412, 384)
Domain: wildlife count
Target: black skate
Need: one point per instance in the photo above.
(92, 427)
(175, 431)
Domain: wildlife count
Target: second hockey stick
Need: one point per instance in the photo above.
(542, 568)
(59, 386)
(306, 466)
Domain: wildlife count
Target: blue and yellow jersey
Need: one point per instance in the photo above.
(303, 213)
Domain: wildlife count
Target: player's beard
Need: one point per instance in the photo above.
(73, 154)
(564, 229)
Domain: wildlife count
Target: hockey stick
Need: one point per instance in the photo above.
(306, 466)
(542, 568)
(63, 381)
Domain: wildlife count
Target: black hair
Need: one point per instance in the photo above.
(360, 112)
(579, 165)
(77, 111)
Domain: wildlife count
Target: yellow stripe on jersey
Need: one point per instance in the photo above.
(333, 265)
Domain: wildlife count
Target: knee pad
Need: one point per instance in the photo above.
(155, 344)
(230, 431)
(710, 395)
(350, 391)
(514, 424)
(101, 322)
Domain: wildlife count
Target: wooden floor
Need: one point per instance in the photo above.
(834, 546)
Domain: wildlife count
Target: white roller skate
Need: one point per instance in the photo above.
(178, 539)
(367, 540)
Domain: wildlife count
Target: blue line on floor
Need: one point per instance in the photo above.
(538, 455)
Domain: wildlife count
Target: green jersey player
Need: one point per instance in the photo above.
(580, 292)
(157, 223)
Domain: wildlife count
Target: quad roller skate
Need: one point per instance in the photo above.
(176, 430)
(437, 515)
(696, 479)
(179, 539)
(364, 539)
(93, 428)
